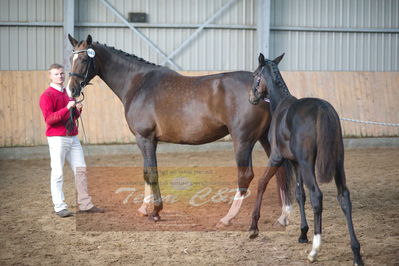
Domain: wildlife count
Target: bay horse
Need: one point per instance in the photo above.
(307, 133)
(163, 105)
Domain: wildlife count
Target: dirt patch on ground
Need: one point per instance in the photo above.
(31, 234)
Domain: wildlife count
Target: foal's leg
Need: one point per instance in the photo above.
(346, 205)
(285, 201)
(243, 153)
(316, 199)
(263, 181)
(148, 150)
(301, 198)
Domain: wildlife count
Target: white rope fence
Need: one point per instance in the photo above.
(370, 122)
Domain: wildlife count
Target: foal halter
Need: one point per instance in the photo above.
(90, 65)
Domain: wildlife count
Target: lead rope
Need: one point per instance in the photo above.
(84, 135)
(83, 127)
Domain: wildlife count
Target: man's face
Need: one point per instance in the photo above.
(57, 76)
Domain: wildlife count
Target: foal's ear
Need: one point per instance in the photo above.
(72, 40)
(262, 60)
(278, 59)
(89, 40)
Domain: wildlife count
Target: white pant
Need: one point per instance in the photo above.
(68, 148)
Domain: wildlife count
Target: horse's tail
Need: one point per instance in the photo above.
(329, 142)
(289, 185)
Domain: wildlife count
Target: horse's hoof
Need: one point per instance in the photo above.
(283, 221)
(221, 224)
(224, 222)
(142, 211)
(278, 223)
(253, 234)
(312, 258)
(303, 240)
(358, 263)
(155, 218)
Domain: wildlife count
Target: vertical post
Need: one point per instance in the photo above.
(263, 26)
(69, 27)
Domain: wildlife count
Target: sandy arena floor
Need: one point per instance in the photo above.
(31, 234)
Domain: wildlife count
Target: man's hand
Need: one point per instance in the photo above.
(71, 104)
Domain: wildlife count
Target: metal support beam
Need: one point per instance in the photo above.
(69, 26)
(194, 35)
(343, 30)
(163, 26)
(141, 35)
(194, 26)
(263, 27)
(31, 24)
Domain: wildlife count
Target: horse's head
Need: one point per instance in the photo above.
(83, 66)
(263, 79)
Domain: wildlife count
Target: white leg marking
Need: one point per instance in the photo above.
(285, 214)
(315, 248)
(147, 196)
(234, 209)
(286, 209)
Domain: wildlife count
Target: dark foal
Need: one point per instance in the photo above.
(162, 105)
(307, 133)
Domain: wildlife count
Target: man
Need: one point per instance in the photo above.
(64, 143)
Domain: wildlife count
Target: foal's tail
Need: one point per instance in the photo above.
(330, 146)
(289, 182)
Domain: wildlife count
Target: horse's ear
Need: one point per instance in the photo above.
(89, 40)
(72, 40)
(278, 59)
(262, 60)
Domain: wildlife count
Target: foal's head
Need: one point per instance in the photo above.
(83, 67)
(264, 78)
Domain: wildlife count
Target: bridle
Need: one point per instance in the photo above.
(90, 66)
(85, 81)
(255, 89)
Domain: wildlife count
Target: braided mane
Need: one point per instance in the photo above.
(131, 57)
(277, 78)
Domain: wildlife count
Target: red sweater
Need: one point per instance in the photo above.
(53, 104)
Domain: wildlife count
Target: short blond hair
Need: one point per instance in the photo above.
(55, 66)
